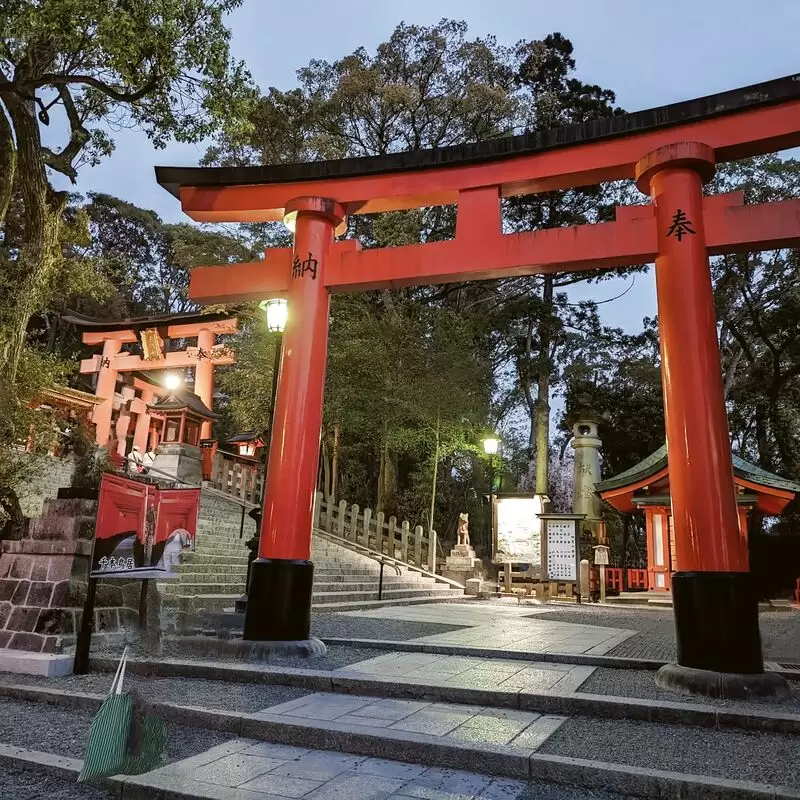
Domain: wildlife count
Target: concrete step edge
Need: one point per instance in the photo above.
(427, 750)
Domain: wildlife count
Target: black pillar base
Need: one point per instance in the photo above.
(279, 601)
(719, 643)
(716, 621)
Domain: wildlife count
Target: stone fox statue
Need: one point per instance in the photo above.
(463, 528)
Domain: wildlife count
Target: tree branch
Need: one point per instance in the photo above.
(52, 79)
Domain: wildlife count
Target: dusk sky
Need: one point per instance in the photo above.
(650, 53)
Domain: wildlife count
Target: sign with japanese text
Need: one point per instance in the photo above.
(141, 529)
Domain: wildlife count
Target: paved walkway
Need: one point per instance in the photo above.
(244, 769)
(476, 673)
(501, 627)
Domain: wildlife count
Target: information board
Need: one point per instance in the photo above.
(519, 530)
(142, 530)
(561, 550)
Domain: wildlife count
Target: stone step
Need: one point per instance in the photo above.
(203, 568)
(225, 602)
(388, 594)
(213, 576)
(370, 586)
(361, 605)
(213, 558)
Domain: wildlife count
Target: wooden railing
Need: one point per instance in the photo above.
(401, 542)
(237, 476)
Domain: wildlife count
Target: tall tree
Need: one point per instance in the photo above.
(162, 66)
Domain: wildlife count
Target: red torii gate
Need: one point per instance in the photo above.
(670, 152)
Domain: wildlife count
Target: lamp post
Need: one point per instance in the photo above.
(491, 444)
(276, 312)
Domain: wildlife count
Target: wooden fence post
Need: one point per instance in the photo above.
(342, 517)
(354, 509)
(379, 537)
(316, 516)
(418, 545)
(432, 552)
(367, 518)
(329, 506)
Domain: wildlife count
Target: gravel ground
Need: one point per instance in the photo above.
(780, 631)
(247, 697)
(394, 630)
(65, 731)
(641, 684)
(737, 755)
(552, 791)
(24, 784)
(337, 656)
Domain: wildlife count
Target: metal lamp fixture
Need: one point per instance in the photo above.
(276, 311)
(491, 444)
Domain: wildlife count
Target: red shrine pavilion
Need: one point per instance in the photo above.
(646, 487)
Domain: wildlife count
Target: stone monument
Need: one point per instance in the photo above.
(586, 443)
(462, 563)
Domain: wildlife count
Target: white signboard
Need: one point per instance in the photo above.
(519, 530)
(561, 547)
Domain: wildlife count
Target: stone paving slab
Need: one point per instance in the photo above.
(503, 627)
(492, 674)
(526, 730)
(244, 769)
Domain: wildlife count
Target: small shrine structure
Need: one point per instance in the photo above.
(183, 415)
(646, 487)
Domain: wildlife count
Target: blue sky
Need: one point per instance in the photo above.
(650, 53)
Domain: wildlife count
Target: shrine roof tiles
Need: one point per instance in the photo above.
(656, 461)
(759, 95)
(180, 399)
(83, 322)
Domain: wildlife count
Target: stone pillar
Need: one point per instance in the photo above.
(204, 377)
(279, 596)
(715, 605)
(124, 420)
(106, 384)
(586, 472)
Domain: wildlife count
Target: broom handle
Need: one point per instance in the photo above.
(116, 686)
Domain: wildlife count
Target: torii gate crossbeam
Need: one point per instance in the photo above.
(670, 152)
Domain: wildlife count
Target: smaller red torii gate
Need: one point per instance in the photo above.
(670, 152)
(203, 357)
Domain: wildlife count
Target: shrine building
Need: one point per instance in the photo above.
(646, 487)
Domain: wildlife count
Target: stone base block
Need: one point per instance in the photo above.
(247, 650)
(46, 664)
(473, 586)
(687, 680)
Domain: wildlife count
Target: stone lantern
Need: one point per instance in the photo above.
(178, 454)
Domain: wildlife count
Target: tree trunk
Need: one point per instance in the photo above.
(8, 164)
(39, 256)
(543, 390)
(335, 463)
(387, 480)
(435, 474)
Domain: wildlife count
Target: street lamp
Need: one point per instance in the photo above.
(276, 312)
(172, 381)
(491, 444)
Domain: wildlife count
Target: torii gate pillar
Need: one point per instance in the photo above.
(715, 604)
(281, 578)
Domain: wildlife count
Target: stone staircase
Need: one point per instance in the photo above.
(214, 575)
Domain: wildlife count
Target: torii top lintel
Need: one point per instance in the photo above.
(736, 124)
